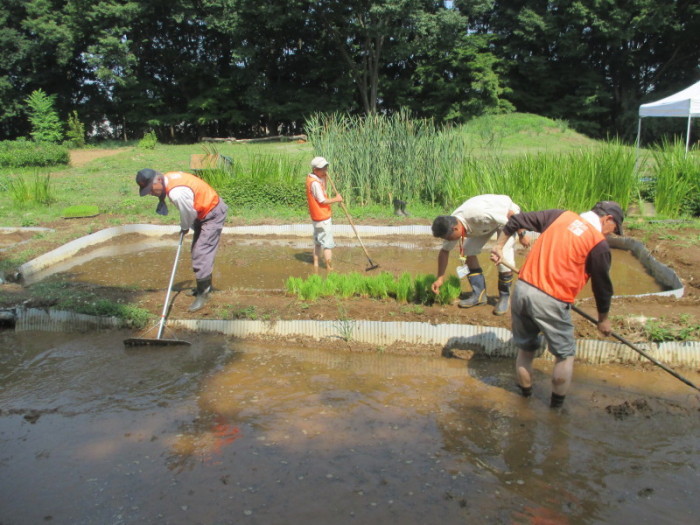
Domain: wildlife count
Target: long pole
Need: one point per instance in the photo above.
(170, 287)
(623, 340)
(372, 265)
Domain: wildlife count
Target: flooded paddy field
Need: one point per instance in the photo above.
(141, 262)
(226, 431)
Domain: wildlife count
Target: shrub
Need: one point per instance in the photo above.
(248, 192)
(23, 153)
(148, 141)
(75, 136)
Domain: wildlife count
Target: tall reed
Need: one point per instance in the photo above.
(376, 157)
(677, 181)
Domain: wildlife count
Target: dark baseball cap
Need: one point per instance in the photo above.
(611, 208)
(144, 178)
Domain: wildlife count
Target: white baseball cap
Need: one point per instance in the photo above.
(318, 163)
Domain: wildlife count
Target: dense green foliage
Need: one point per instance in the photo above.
(23, 153)
(243, 67)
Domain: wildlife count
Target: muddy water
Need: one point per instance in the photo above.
(267, 263)
(224, 432)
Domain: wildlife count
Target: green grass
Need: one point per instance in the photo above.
(66, 297)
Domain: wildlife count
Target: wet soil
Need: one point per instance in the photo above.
(676, 247)
(224, 431)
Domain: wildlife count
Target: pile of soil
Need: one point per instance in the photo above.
(676, 247)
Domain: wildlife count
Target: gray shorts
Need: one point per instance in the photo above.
(533, 311)
(323, 236)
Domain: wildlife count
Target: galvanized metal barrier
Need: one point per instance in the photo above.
(482, 340)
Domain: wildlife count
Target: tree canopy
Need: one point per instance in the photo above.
(192, 68)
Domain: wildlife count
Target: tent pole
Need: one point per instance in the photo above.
(687, 134)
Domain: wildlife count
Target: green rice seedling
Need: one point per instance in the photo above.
(404, 288)
(423, 292)
(293, 285)
(329, 285)
(310, 290)
(345, 285)
(378, 286)
(449, 291)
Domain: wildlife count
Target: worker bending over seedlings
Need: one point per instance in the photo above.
(201, 210)
(471, 226)
(571, 249)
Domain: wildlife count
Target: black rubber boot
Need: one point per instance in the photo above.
(478, 296)
(202, 294)
(398, 204)
(403, 209)
(556, 401)
(504, 282)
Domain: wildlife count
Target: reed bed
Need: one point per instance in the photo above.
(385, 285)
(378, 157)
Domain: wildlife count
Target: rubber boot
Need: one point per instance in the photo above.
(397, 206)
(203, 289)
(403, 209)
(478, 296)
(504, 282)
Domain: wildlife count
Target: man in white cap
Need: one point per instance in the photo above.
(320, 210)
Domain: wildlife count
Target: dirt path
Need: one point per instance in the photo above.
(81, 157)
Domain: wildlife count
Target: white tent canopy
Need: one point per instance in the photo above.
(684, 104)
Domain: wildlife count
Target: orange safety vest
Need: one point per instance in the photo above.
(557, 263)
(205, 197)
(317, 210)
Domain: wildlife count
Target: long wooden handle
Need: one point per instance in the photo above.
(352, 224)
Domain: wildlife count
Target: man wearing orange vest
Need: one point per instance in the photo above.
(571, 249)
(320, 210)
(201, 209)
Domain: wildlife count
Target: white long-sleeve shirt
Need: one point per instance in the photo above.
(183, 199)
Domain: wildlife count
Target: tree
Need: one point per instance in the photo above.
(456, 75)
(46, 126)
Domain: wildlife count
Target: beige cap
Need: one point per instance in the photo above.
(318, 163)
